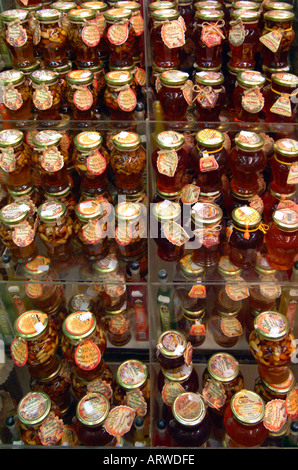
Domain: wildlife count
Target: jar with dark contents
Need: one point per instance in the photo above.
(130, 231)
(53, 37)
(209, 35)
(192, 322)
(243, 38)
(209, 95)
(120, 37)
(225, 327)
(100, 84)
(47, 95)
(235, 199)
(132, 381)
(264, 286)
(119, 96)
(186, 376)
(155, 80)
(282, 164)
(281, 101)
(18, 37)
(175, 94)
(81, 92)
(103, 383)
(269, 391)
(173, 350)
(29, 196)
(230, 83)
(118, 324)
(137, 22)
(99, 7)
(17, 96)
(248, 97)
(62, 70)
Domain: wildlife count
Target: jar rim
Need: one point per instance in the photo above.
(204, 77)
(251, 78)
(51, 211)
(88, 140)
(179, 409)
(271, 325)
(84, 324)
(33, 269)
(284, 79)
(15, 77)
(79, 16)
(286, 219)
(173, 77)
(168, 212)
(117, 14)
(161, 5)
(63, 6)
(80, 77)
(88, 210)
(175, 345)
(286, 146)
(11, 138)
(31, 324)
(95, 5)
(43, 407)
(93, 417)
(223, 367)
(250, 412)
(166, 14)
(170, 140)
(210, 138)
(118, 77)
(46, 138)
(20, 212)
(249, 141)
(47, 15)
(213, 14)
(47, 77)
(14, 14)
(126, 140)
(279, 16)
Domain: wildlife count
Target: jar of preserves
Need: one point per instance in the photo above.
(130, 230)
(243, 38)
(99, 8)
(282, 239)
(88, 229)
(269, 391)
(159, 5)
(191, 423)
(128, 163)
(101, 384)
(119, 96)
(51, 37)
(230, 84)
(90, 160)
(18, 231)
(281, 101)
(55, 230)
(36, 343)
(282, 164)
(84, 36)
(209, 35)
(18, 37)
(173, 350)
(264, 287)
(185, 377)
(245, 236)
(243, 420)
(81, 92)
(230, 287)
(120, 37)
(187, 270)
(91, 412)
(248, 97)
(133, 383)
(62, 71)
(100, 83)
(187, 12)
(271, 200)
(247, 160)
(175, 94)
(65, 197)
(46, 96)
(209, 95)
(167, 36)
(15, 160)
(29, 196)
(80, 302)
(226, 327)
(192, 323)
(39, 420)
(118, 326)
(137, 22)
(17, 97)
(81, 329)
(155, 74)
(235, 199)
(277, 37)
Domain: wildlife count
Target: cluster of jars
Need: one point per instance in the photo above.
(77, 61)
(213, 60)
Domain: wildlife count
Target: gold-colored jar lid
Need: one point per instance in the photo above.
(209, 15)
(51, 211)
(285, 79)
(206, 213)
(33, 408)
(11, 138)
(93, 409)
(107, 265)
(46, 138)
(251, 79)
(88, 140)
(247, 16)
(47, 15)
(279, 16)
(249, 141)
(210, 138)
(131, 374)
(181, 374)
(80, 77)
(119, 77)
(227, 268)
(93, 5)
(209, 78)
(208, 5)
(81, 15)
(223, 367)
(80, 302)
(246, 217)
(88, 210)
(263, 267)
(189, 268)
(166, 211)
(193, 315)
(38, 266)
(162, 5)
(127, 211)
(173, 77)
(117, 14)
(43, 76)
(14, 14)
(269, 6)
(170, 140)
(287, 147)
(247, 407)
(285, 219)
(169, 14)
(64, 7)
(79, 325)
(245, 5)
(14, 213)
(31, 324)
(189, 409)
(172, 344)
(126, 140)
(14, 77)
(271, 325)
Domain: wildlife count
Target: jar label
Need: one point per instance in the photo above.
(167, 162)
(214, 393)
(257, 203)
(271, 324)
(198, 329)
(50, 209)
(188, 406)
(187, 91)
(137, 24)
(91, 35)
(292, 403)
(282, 106)
(207, 97)
(190, 194)
(52, 160)
(158, 85)
(100, 386)
(188, 354)
(23, 234)
(211, 35)
(101, 23)
(79, 323)
(223, 365)
(272, 40)
(120, 420)
(42, 98)
(127, 100)
(51, 430)
(208, 163)
(83, 99)
(92, 408)
(275, 415)
(293, 174)
(118, 34)
(19, 351)
(36, 33)
(237, 290)
(87, 355)
(207, 238)
(135, 400)
(226, 264)
(13, 99)
(140, 76)
(115, 290)
(118, 325)
(7, 159)
(172, 342)
(175, 233)
(248, 405)
(269, 287)
(132, 372)
(33, 406)
(92, 232)
(231, 327)
(237, 34)
(253, 101)
(96, 163)
(172, 34)
(123, 234)
(170, 392)
(16, 35)
(29, 137)
(198, 291)
(33, 289)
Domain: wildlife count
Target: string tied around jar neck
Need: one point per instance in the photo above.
(279, 30)
(262, 227)
(214, 27)
(122, 88)
(204, 92)
(16, 21)
(200, 232)
(285, 95)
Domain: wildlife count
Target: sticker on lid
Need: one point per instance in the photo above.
(172, 342)
(223, 366)
(247, 137)
(132, 372)
(51, 430)
(31, 322)
(79, 323)
(88, 138)
(231, 327)
(188, 406)
(50, 209)
(275, 415)
(118, 33)
(120, 420)
(173, 34)
(286, 216)
(92, 408)
(247, 215)
(33, 406)
(248, 405)
(271, 324)
(87, 355)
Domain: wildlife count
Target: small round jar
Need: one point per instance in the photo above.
(81, 92)
(137, 22)
(227, 276)
(120, 37)
(91, 412)
(165, 229)
(80, 302)
(17, 231)
(244, 420)
(128, 163)
(230, 84)
(90, 160)
(172, 350)
(84, 36)
(155, 80)
(132, 380)
(119, 96)
(209, 95)
(191, 423)
(247, 160)
(88, 229)
(118, 327)
(225, 327)
(130, 230)
(282, 239)
(277, 37)
(187, 270)
(209, 35)
(192, 323)
(185, 376)
(268, 391)
(243, 38)
(248, 97)
(47, 95)
(103, 383)
(39, 420)
(175, 94)
(246, 236)
(264, 288)
(81, 329)
(17, 96)
(281, 100)
(18, 37)
(37, 335)
(53, 37)
(100, 84)
(282, 163)
(99, 7)
(15, 160)
(62, 72)
(55, 230)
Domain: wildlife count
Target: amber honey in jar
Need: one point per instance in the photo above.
(193, 324)
(248, 97)
(133, 383)
(99, 7)
(175, 94)
(226, 327)
(283, 163)
(130, 231)
(62, 71)
(102, 383)
(119, 96)
(230, 84)
(155, 80)
(209, 95)
(269, 391)
(272, 200)
(46, 95)
(208, 36)
(185, 377)
(243, 38)
(120, 36)
(16, 96)
(281, 98)
(235, 199)
(136, 21)
(230, 287)
(173, 350)
(81, 92)
(100, 83)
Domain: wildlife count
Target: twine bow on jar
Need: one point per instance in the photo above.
(206, 92)
(262, 227)
(214, 27)
(213, 231)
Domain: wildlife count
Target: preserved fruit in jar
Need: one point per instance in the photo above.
(119, 96)
(16, 95)
(264, 286)
(209, 95)
(243, 38)
(81, 92)
(47, 95)
(248, 98)
(120, 37)
(117, 324)
(185, 376)
(101, 384)
(271, 201)
(130, 232)
(173, 350)
(208, 36)
(226, 327)
(281, 102)
(283, 163)
(99, 7)
(269, 391)
(136, 21)
(88, 229)
(133, 386)
(175, 94)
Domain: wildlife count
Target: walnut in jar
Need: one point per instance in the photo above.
(81, 93)
(119, 96)
(120, 36)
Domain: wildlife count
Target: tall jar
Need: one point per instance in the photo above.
(209, 95)
(230, 84)
(248, 97)
(175, 94)
(185, 376)
(47, 95)
(282, 164)
(16, 96)
(99, 7)
(132, 382)
(136, 21)
(271, 200)
(227, 280)
(120, 37)
(187, 12)
(62, 71)
(209, 35)
(130, 230)
(192, 323)
(100, 83)
(15, 160)
(128, 163)
(244, 37)
(81, 92)
(18, 37)
(281, 98)
(119, 96)
(264, 287)
(53, 37)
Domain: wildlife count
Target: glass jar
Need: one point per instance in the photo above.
(17, 98)
(85, 37)
(209, 95)
(187, 12)
(18, 37)
(235, 199)
(18, 231)
(29, 196)
(36, 343)
(187, 270)
(118, 327)
(226, 280)
(15, 160)
(243, 38)
(245, 236)
(62, 71)
(155, 80)
(175, 94)
(65, 197)
(128, 163)
(191, 424)
(103, 383)
(230, 84)
(119, 96)
(52, 36)
(226, 327)
(100, 84)
(264, 287)
(130, 230)
(47, 95)
(268, 391)
(209, 34)
(173, 350)
(247, 160)
(99, 8)
(120, 37)
(39, 420)
(192, 323)
(159, 5)
(282, 164)
(282, 239)
(55, 230)
(248, 97)
(277, 37)
(90, 160)
(133, 383)
(88, 229)
(80, 302)
(167, 36)
(81, 92)
(137, 22)
(281, 101)
(244, 420)
(81, 329)
(185, 376)
(50, 160)
(272, 200)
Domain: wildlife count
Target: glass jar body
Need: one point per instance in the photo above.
(68, 347)
(57, 238)
(22, 55)
(243, 55)
(85, 56)
(173, 102)
(93, 435)
(193, 329)
(210, 181)
(246, 114)
(85, 111)
(282, 247)
(191, 384)
(112, 102)
(209, 110)
(280, 166)
(128, 167)
(243, 251)
(24, 111)
(190, 436)
(166, 183)
(53, 173)
(53, 44)
(271, 353)
(42, 360)
(207, 56)
(163, 55)
(19, 179)
(92, 168)
(245, 167)
(30, 434)
(279, 58)
(20, 253)
(121, 55)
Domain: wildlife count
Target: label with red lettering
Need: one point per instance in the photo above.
(83, 99)
(91, 35)
(118, 34)
(127, 100)
(172, 34)
(96, 163)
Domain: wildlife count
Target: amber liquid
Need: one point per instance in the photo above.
(173, 103)
(171, 184)
(22, 56)
(163, 56)
(210, 181)
(282, 248)
(280, 172)
(280, 58)
(243, 56)
(243, 252)
(206, 57)
(245, 167)
(121, 55)
(85, 56)
(244, 435)
(56, 181)
(211, 114)
(241, 113)
(93, 435)
(191, 384)
(190, 436)
(271, 98)
(54, 52)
